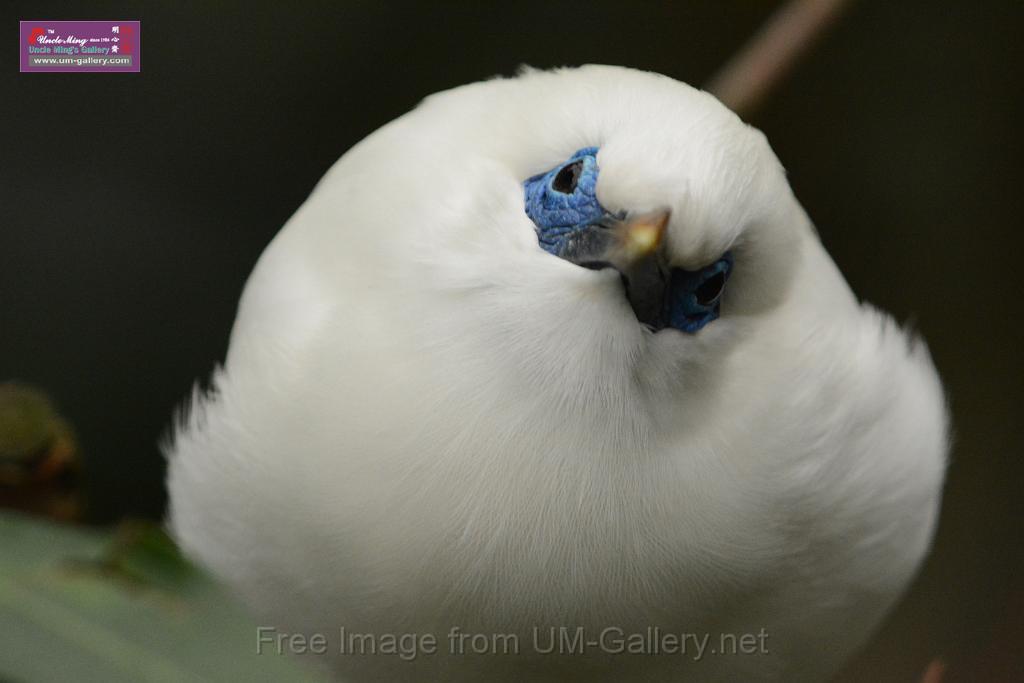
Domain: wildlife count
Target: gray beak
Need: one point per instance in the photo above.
(633, 247)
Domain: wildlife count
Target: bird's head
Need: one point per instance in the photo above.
(608, 214)
(575, 231)
(572, 225)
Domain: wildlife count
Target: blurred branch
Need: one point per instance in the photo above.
(745, 80)
(934, 673)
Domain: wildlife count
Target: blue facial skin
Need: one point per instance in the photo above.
(557, 214)
(562, 201)
(686, 307)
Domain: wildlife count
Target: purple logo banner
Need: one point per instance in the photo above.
(81, 46)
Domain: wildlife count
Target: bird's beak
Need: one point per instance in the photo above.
(631, 246)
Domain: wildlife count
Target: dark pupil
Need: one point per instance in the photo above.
(708, 291)
(565, 181)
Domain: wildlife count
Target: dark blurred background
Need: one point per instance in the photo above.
(134, 206)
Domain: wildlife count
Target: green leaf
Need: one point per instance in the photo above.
(82, 605)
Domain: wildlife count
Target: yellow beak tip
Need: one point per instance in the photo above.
(645, 235)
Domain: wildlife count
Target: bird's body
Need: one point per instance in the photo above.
(425, 421)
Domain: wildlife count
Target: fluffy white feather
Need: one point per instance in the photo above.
(424, 420)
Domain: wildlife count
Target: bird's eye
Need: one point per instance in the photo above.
(695, 296)
(563, 200)
(566, 179)
(709, 291)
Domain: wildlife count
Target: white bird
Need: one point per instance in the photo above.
(633, 397)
